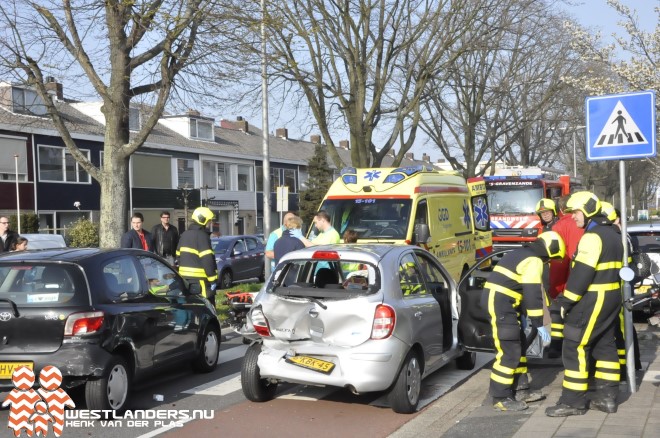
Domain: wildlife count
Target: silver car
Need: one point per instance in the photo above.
(364, 317)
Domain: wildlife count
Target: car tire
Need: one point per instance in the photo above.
(111, 391)
(466, 361)
(207, 357)
(254, 387)
(404, 394)
(226, 279)
(262, 277)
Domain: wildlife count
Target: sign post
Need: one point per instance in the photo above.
(619, 127)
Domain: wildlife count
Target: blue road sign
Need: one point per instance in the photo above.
(621, 126)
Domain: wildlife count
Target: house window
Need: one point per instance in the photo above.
(151, 171)
(201, 129)
(185, 172)
(57, 164)
(274, 178)
(134, 119)
(9, 148)
(27, 101)
(290, 180)
(213, 175)
(244, 180)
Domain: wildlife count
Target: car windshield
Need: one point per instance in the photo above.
(513, 199)
(324, 279)
(370, 217)
(646, 241)
(219, 245)
(41, 285)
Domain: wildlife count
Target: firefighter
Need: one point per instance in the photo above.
(591, 304)
(514, 289)
(547, 211)
(196, 257)
(558, 274)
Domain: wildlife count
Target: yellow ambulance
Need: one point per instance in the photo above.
(438, 210)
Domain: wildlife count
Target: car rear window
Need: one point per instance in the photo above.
(646, 241)
(325, 279)
(36, 285)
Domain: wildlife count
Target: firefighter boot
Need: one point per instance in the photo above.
(509, 404)
(605, 399)
(529, 396)
(563, 410)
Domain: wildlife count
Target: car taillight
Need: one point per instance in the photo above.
(260, 322)
(325, 255)
(83, 323)
(384, 319)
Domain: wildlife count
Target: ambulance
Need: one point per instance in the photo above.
(437, 210)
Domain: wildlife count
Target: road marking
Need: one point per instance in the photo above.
(224, 386)
(232, 353)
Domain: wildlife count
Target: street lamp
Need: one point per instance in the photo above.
(574, 128)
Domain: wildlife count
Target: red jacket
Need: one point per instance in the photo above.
(559, 269)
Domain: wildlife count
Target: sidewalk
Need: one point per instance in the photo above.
(467, 411)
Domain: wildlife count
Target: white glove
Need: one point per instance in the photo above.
(296, 232)
(213, 286)
(543, 333)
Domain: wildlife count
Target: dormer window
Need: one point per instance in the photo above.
(134, 119)
(202, 129)
(27, 101)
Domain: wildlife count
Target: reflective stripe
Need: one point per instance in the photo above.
(613, 377)
(504, 290)
(523, 359)
(521, 370)
(575, 386)
(597, 309)
(571, 296)
(609, 265)
(508, 273)
(621, 352)
(502, 369)
(607, 365)
(622, 361)
(605, 287)
(557, 326)
(500, 379)
(556, 334)
(576, 374)
(189, 250)
(534, 313)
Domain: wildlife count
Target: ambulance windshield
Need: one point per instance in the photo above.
(371, 218)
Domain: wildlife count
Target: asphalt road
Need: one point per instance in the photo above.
(217, 404)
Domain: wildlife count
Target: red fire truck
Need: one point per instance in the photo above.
(512, 196)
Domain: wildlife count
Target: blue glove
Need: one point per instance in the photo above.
(213, 286)
(543, 333)
(296, 232)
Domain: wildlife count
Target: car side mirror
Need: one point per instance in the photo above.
(421, 233)
(195, 289)
(236, 252)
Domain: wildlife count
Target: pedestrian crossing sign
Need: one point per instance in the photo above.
(621, 126)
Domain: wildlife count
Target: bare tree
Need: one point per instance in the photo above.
(119, 51)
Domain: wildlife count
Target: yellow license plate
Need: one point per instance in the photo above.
(311, 363)
(6, 368)
(643, 289)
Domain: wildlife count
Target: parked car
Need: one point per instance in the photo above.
(105, 318)
(44, 241)
(367, 317)
(645, 238)
(238, 258)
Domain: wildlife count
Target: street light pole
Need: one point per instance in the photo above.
(18, 197)
(574, 156)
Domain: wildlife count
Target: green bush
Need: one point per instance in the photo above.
(83, 233)
(29, 223)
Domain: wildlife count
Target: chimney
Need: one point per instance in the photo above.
(344, 144)
(426, 158)
(54, 87)
(241, 124)
(193, 113)
(315, 139)
(410, 156)
(282, 133)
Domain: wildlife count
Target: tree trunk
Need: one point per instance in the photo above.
(114, 201)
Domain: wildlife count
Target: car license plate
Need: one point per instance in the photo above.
(7, 368)
(311, 363)
(643, 289)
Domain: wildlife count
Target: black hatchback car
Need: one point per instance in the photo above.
(103, 317)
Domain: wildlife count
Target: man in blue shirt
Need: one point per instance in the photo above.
(272, 237)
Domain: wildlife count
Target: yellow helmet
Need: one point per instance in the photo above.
(546, 204)
(202, 215)
(586, 202)
(607, 210)
(554, 244)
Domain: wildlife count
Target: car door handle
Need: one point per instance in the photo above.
(418, 315)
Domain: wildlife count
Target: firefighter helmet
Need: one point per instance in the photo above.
(554, 244)
(586, 202)
(546, 204)
(202, 215)
(607, 211)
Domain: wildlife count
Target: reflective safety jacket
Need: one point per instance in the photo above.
(596, 265)
(196, 256)
(518, 275)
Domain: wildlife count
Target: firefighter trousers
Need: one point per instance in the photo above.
(589, 344)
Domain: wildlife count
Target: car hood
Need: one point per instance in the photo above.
(344, 322)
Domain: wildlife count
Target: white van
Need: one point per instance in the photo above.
(44, 241)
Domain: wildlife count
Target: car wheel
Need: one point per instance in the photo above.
(404, 394)
(254, 387)
(226, 280)
(111, 391)
(467, 361)
(262, 277)
(207, 358)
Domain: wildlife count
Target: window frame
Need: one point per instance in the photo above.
(194, 129)
(78, 167)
